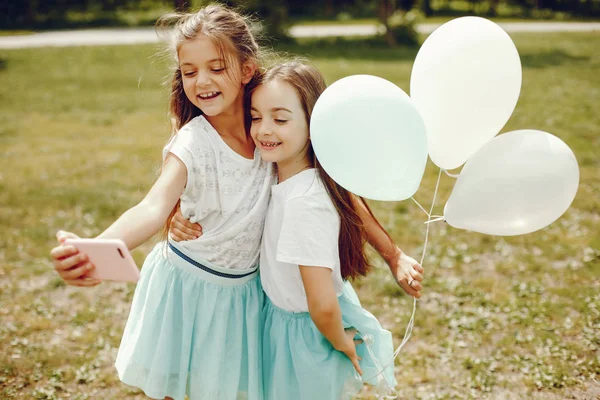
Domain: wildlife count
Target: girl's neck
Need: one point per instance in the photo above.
(230, 123)
(287, 169)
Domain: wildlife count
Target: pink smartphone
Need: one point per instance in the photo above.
(110, 256)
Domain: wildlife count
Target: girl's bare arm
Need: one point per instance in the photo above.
(325, 311)
(407, 272)
(134, 227)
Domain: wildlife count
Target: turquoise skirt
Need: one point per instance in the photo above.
(300, 364)
(193, 330)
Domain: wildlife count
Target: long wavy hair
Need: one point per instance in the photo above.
(309, 83)
(232, 34)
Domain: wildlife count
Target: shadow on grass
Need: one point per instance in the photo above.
(359, 48)
(3, 64)
(551, 59)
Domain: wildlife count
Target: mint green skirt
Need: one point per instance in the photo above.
(193, 331)
(300, 364)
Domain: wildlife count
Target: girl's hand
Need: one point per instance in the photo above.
(349, 349)
(182, 229)
(408, 273)
(71, 265)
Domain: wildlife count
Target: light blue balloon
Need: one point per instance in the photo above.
(370, 138)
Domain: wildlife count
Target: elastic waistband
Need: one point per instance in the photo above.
(300, 314)
(208, 271)
(287, 313)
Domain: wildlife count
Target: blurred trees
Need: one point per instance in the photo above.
(277, 14)
(274, 14)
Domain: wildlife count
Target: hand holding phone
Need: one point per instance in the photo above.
(111, 257)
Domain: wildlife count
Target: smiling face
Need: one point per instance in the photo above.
(211, 82)
(279, 126)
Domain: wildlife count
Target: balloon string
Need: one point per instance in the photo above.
(411, 322)
(437, 185)
(421, 207)
(437, 218)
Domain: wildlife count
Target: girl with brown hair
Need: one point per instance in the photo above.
(194, 327)
(312, 244)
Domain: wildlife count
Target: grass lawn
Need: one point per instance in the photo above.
(81, 132)
(15, 33)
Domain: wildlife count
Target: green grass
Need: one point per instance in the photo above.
(15, 33)
(81, 131)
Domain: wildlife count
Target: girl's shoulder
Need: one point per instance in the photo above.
(310, 209)
(197, 126)
(192, 139)
(197, 134)
(310, 195)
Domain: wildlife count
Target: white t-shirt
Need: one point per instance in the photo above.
(225, 193)
(302, 228)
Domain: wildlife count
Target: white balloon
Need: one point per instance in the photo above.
(370, 138)
(517, 183)
(465, 82)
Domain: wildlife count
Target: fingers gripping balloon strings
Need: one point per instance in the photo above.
(409, 328)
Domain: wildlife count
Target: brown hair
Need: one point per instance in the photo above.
(231, 33)
(309, 84)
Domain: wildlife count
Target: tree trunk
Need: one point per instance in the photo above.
(275, 18)
(426, 8)
(385, 10)
(329, 8)
(30, 13)
(494, 8)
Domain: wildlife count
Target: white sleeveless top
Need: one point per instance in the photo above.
(225, 193)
